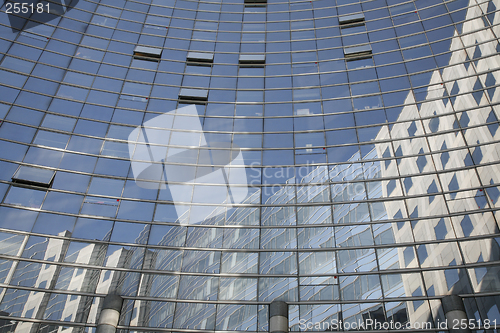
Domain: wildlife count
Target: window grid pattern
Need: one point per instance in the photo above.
(373, 179)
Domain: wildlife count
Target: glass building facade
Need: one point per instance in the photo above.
(357, 141)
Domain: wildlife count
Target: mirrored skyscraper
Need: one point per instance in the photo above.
(202, 159)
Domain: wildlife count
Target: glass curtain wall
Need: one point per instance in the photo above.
(204, 158)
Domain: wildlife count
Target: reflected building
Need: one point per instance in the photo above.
(369, 135)
(459, 121)
(26, 303)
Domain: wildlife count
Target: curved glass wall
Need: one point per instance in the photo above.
(204, 158)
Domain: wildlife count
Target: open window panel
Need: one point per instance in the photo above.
(147, 53)
(256, 5)
(357, 52)
(188, 94)
(259, 3)
(185, 101)
(34, 176)
(201, 58)
(252, 59)
(354, 19)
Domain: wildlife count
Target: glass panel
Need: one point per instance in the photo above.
(164, 260)
(160, 286)
(15, 303)
(282, 289)
(234, 317)
(238, 289)
(17, 219)
(10, 244)
(195, 316)
(319, 317)
(239, 262)
(278, 263)
(85, 253)
(198, 287)
(201, 261)
(26, 197)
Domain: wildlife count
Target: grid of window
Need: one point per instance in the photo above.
(369, 136)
